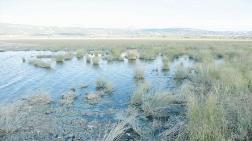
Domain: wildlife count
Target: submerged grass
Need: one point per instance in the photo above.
(40, 63)
(166, 63)
(139, 73)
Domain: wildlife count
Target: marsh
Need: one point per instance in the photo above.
(164, 95)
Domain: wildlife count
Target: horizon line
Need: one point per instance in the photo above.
(131, 28)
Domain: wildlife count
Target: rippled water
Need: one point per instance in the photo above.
(19, 79)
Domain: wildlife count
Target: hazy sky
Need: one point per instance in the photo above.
(205, 14)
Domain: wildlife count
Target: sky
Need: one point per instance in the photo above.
(202, 14)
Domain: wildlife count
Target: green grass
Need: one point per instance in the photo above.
(80, 54)
(115, 54)
(206, 120)
(148, 54)
(218, 101)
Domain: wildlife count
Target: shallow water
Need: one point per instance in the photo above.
(19, 79)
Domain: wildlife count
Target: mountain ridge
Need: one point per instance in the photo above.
(7, 29)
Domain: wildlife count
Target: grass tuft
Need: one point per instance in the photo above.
(104, 85)
(59, 58)
(137, 97)
(40, 63)
(139, 73)
(132, 54)
(96, 60)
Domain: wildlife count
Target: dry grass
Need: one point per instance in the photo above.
(132, 54)
(162, 104)
(27, 119)
(118, 130)
(68, 98)
(137, 97)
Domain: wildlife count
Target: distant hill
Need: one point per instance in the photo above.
(17, 30)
